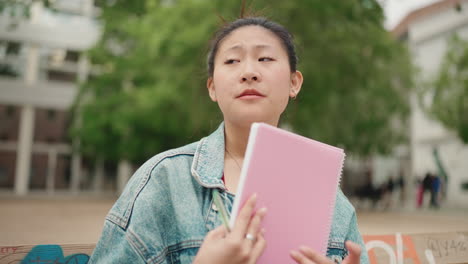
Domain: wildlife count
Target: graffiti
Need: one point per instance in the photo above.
(444, 248)
(393, 249)
(417, 249)
(53, 254)
(380, 244)
(8, 250)
(399, 248)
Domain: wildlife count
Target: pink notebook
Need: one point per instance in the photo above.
(296, 178)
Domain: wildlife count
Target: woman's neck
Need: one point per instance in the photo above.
(237, 136)
(236, 140)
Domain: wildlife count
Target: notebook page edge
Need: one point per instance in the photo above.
(333, 204)
(243, 175)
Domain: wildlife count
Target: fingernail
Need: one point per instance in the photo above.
(294, 253)
(303, 248)
(253, 198)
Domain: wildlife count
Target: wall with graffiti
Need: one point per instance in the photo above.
(46, 254)
(418, 248)
(389, 249)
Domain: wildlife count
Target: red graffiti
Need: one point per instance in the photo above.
(407, 249)
(8, 250)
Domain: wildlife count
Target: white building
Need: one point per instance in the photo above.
(41, 61)
(427, 31)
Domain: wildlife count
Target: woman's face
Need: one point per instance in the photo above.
(252, 80)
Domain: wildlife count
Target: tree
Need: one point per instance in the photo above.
(450, 89)
(151, 95)
(357, 76)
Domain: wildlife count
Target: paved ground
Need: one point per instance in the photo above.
(40, 220)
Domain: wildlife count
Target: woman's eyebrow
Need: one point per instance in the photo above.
(262, 46)
(240, 47)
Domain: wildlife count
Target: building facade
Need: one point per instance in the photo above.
(42, 62)
(427, 32)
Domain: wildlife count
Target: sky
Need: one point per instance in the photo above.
(396, 10)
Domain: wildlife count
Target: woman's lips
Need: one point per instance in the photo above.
(250, 94)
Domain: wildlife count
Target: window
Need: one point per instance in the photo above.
(72, 56)
(13, 48)
(7, 70)
(54, 75)
(51, 114)
(10, 111)
(56, 57)
(4, 136)
(8, 48)
(3, 174)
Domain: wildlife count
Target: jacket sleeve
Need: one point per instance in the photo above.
(114, 247)
(355, 236)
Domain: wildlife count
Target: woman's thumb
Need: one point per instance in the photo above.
(217, 233)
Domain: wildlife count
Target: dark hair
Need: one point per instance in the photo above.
(281, 32)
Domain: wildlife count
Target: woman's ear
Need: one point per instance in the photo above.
(296, 84)
(211, 88)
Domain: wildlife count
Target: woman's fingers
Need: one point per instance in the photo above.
(258, 247)
(254, 226)
(244, 217)
(217, 233)
(354, 253)
(300, 258)
(314, 255)
(306, 255)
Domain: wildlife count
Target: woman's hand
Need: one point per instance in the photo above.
(306, 255)
(244, 244)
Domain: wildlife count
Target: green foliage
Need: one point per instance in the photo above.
(450, 89)
(357, 76)
(151, 95)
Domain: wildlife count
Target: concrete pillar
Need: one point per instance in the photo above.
(98, 179)
(87, 7)
(83, 68)
(76, 173)
(51, 170)
(26, 129)
(124, 172)
(23, 157)
(35, 11)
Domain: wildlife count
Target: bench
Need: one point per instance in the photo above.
(431, 248)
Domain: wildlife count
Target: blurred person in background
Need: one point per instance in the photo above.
(435, 191)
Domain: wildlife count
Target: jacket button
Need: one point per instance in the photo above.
(214, 207)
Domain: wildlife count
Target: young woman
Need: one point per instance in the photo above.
(166, 213)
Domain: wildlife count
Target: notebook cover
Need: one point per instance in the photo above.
(296, 178)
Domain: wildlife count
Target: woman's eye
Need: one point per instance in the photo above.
(266, 59)
(231, 61)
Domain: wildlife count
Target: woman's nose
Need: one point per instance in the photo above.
(250, 74)
(250, 77)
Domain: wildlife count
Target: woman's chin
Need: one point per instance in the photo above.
(248, 120)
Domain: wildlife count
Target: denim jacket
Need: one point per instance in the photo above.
(166, 209)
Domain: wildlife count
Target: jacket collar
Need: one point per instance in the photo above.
(208, 162)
